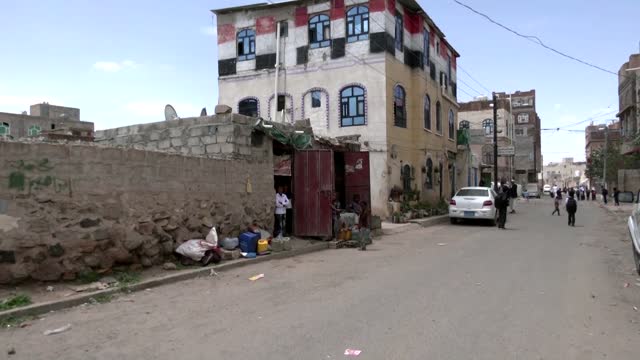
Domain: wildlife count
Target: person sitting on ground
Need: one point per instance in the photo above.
(355, 205)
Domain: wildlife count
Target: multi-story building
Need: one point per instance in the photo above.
(528, 146)
(595, 138)
(380, 69)
(565, 174)
(628, 99)
(45, 120)
(477, 116)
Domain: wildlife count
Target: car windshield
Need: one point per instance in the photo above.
(473, 192)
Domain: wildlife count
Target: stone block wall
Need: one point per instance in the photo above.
(207, 136)
(68, 208)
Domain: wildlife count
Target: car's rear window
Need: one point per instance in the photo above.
(473, 192)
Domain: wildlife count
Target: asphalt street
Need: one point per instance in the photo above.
(538, 290)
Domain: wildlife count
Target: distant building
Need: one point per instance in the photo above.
(45, 120)
(379, 69)
(565, 174)
(628, 99)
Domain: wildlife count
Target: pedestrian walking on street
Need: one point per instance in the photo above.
(616, 196)
(572, 208)
(514, 196)
(502, 203)
(605, 192)
(593, 194)
(556, 202)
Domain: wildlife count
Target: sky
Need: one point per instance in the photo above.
(121, 61)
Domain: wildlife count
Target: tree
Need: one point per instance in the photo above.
(615, 161)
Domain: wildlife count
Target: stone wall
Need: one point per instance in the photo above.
(628, 180)
(68, 208)
(209, 136)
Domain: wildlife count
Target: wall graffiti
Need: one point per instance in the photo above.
(28, 176)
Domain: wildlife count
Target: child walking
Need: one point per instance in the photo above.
(572, 208)
(556, 203)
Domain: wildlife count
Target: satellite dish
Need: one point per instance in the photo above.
(170, 113)
(203, 112)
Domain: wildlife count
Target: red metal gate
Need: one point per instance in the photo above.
(313, 186)
(357, 176)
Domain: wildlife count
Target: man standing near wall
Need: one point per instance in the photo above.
(281, 210)
(514, 195)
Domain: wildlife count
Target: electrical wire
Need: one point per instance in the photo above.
(469, 86)
(472, 78)
(536, 40)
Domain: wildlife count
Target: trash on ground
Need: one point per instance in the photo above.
(256, 277)
(213, 273)
(90, 287)
(24, 325)
(635, 308)
(442, 244)
(58, 330)
(195, 249)
(352, 352)
(50, 289)
(626, 285)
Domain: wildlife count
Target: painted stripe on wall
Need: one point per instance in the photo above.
(301, 16)
(337, 10)
(227, 50)
(391, 6)
(226, 33)
(265, 25)
(376, 6)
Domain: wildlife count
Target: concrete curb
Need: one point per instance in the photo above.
(435, 220)
(56, 305)
(416, 224)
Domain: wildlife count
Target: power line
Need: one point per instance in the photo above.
(469, 86)
(472, 78)
(589, 119)
(535, 39)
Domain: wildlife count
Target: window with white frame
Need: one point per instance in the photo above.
(523, 118)
(487, 125)
(34, 130)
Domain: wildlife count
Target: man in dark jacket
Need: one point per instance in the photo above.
(605, 192)
(572, 208)
(502, 203)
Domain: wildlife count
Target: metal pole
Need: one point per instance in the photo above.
(604, 167)
(275, 90)
(495, 142)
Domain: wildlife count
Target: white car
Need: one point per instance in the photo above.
(546, 189)
(473, 203)
(634, 231)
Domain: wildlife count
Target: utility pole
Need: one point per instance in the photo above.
(495, 142)
(606, 145)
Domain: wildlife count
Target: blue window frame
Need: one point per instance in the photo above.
(246, 41)
(425, 44)
(352, 106)
(399, 107)
(319, 31)
(452, 124)
(399, 32)
(427, 112)
(358, 24)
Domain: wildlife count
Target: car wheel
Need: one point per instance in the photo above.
(453, 221)
(636, 258)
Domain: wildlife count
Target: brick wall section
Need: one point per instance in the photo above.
(88, 207)
(210, 136)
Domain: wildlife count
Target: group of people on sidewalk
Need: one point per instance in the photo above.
(571, 205)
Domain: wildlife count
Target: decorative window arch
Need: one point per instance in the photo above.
(246, 44)
(319, 31)
(464, 124)
(487, 125)
(399, 106)
(438, 117)
(326, 99)
(249, 106)
(353, 105)
(288, 109)
(452, 124)
(429, 179)
(34, 130)
(427, 112)
(357, 23)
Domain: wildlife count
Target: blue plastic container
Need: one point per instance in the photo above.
(249, 242)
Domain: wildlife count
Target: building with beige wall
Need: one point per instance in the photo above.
(44, 120)
(380, 69)
(566, 173)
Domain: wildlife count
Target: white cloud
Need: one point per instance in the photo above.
(209, 30)
(155, 109)
(114, 66)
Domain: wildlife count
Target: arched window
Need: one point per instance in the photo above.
(439, 117)
(248, 107)
(487, 125)
(427, 112)
(358, 24)
(452, 124)
(34, 130)
(246, 41)
(464, 124)
(406, 178)
(319, 31)
(352, 106)
(488, 157)
(399, 107)
(429, 180)
(5, 129)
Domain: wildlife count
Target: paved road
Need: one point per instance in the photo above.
(539, 290)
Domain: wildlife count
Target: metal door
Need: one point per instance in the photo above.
(313, 186)
(357, 177)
